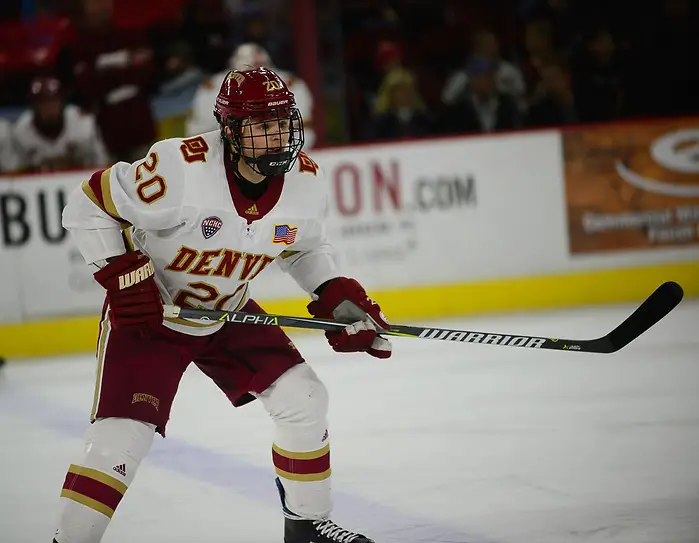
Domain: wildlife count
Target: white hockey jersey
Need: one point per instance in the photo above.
(201, 117)
(79, 145)
(183, 208)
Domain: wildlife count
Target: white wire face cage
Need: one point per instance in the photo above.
(272, 159)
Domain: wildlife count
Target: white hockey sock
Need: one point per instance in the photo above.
(93, 489)
(298, 405)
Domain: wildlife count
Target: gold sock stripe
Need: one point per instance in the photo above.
(304, 476)
(100, 476)
(88, 502)
(302, 455)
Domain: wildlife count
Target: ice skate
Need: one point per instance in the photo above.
(320, 531)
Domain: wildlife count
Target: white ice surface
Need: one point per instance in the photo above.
(443, 443)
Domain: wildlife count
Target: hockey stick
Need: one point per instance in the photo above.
(665, 298)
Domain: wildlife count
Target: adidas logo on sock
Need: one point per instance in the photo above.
(120, 469)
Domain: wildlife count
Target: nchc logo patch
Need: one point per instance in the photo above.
(210, 226)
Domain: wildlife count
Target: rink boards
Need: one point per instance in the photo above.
(432, 228)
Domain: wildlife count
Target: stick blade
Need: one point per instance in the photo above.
(665, 298)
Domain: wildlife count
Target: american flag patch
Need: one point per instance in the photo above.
(210, 226)
(283, 233)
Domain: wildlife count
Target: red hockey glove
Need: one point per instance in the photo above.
(132, 294)
(345, 300)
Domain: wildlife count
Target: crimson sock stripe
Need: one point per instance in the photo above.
(91, 488)
(302, 467)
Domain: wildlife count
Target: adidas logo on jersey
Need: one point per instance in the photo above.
(120, 469)
(252, 210)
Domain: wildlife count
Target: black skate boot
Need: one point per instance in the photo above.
(319, 531)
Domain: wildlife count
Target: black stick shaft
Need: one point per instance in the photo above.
(653, 309)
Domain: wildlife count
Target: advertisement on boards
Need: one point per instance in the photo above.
(442, 211)
(632, 186)
(383, 204)
(52, 277)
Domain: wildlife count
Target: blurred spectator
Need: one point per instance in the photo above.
(400, 111)
(207, 29)
(268, 24)
(369, 69)
(29, 48)
(8, 155)
(52, 135)
(554, 102)
(565, 18)
(597, 78)
(389, 56)
(248, 56)
(114, 74)
(509, 78)
(540, 49)
(178, 70)
(481, 107)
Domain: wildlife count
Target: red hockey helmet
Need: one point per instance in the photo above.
(257, 105)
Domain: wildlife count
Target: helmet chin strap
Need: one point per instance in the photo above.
(270, 164)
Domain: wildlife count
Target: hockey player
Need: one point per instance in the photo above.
(52, 135)
(192, 224)
(249, 56)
